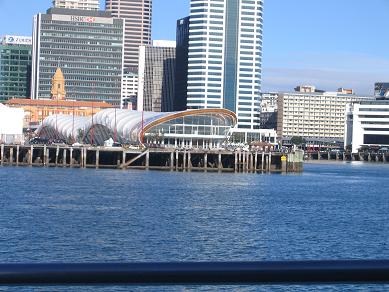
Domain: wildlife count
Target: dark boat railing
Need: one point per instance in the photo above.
(198, 273)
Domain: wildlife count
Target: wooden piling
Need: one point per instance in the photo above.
(64, 157)
(177, 156)
(71, 157)
(147, 163)
(2, 154)
(269, 160)
(220, 164)
(256, 161)
(11, 156)
(236, 162)
(56, 155)
(184, 161)
(263, 162)
(189, 163)
(44, 155)
(17, 154)
(171, 161)
(31, 157)
(97, 158)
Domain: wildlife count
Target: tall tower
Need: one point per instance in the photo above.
(77, 4)
(181, 79)
(225, 57)
(137, 15)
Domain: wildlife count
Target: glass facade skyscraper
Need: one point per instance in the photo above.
(225, 57)
(15, 67)
(137, 14)
(181, 80)
(156, 76)
(87, 46)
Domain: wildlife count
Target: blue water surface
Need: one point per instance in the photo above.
(331, 211)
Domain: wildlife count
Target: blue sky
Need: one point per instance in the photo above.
(330, 44)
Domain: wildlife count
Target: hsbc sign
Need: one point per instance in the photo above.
(89, 19)
(78, 18)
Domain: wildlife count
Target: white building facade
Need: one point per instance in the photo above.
(129, 89)
(367, 124)
(314, 116)
(77, 4)
(225, 51)
(11, 124)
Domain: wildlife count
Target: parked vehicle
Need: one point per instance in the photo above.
(39, 141)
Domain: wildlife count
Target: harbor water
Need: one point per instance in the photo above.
(331, 211)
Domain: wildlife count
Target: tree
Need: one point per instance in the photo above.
(297, 140)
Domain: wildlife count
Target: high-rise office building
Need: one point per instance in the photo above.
(87, 45)
(15, 67)
(182, 49)
(137, 14)
(225, 51)
(156, 76)
(77, 4)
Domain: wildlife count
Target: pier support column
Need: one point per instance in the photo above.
(2, 154)
(256, 162)
(56, 155)
(17, 154)
(85, 156)
(189, 161)
(177, 160)
(270, 159)
(97, 158)
(82, 157)
(205, 162)
(147, 164)
(11, 156)
(184, 161)
(236, 162)
(123, 157)
(220, 164)
(44, 155)
(251, 162)
(30, 160)
(171, 161)
(263, 162)
(240, 158)
(244, 162)
(71, 157)
(64, 157)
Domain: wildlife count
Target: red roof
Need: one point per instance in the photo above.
(58, 103)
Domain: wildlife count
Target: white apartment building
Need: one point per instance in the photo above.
(129, 87)
(225, 51)
(367, 124)
(320, 116)
(77, 4)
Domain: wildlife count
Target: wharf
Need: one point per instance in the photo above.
(151, 159)
(347, 156)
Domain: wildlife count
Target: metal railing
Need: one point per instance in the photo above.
(199, 273)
